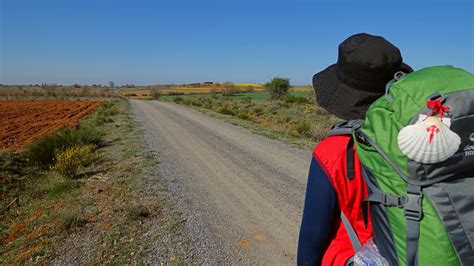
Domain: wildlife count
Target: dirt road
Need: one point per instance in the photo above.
(241, 193)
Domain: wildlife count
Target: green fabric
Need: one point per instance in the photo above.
(383, 122)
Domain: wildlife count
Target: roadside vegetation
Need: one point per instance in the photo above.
(54, 91)
(294, 117)
(84, 195)
(280, 111)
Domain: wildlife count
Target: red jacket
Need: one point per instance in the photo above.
(331, 155)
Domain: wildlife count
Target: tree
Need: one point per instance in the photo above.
(111, 84)
(278, 87)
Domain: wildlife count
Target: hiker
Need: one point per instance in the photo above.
(392, 186)
(346, 89)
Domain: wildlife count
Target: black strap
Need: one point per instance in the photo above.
(365, 213)
(350, 159)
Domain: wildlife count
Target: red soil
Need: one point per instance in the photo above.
(25, 121)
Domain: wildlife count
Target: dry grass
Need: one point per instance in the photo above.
(150, 92)
(137, 93)
(17, 91)
(293, 115)
(302, 89)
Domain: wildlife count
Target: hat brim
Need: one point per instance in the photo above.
(406, 68)
(342, 99)
(339, 98)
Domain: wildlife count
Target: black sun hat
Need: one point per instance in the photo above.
(365, 64)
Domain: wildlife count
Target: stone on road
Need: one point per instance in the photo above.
(242, 194)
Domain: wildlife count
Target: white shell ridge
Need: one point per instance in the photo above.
(429, 140)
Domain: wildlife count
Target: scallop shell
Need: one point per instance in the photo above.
(429, 140)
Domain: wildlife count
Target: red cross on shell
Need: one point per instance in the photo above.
(433, 129)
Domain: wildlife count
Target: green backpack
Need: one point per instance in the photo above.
(422, 213)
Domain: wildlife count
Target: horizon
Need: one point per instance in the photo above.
(181, 42)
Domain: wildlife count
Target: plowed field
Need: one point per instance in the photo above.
(24, 121)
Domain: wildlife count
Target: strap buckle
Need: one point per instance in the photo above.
(392, 200)
(413, 207)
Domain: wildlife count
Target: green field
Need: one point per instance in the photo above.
(258, 96)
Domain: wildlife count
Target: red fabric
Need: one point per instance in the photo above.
(331, 154)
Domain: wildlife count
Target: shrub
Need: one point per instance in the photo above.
(278, 87)
(42, 152)
(230, 91)
(207, 100)
(104, 114)
(289, 98)
(155, 93)
(178, 100)
(273, 108)
(303, 128)
(258, 110)
(68, 162)
(246, 100)
(283, 118)
(225, 110)
(176, 93)
(243, 115)
(320, 111)
(197, 102)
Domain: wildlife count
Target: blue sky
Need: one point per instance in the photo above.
(149, 42)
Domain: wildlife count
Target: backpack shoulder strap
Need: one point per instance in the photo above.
(356, 245)
(347, 128)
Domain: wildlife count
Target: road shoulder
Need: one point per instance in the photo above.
(117, 212)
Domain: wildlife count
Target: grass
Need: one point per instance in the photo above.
(295, 118)
(60, 187)
(254, 95)
(111, 208)
(71, 220)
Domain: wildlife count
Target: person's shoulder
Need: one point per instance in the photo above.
(331, 149)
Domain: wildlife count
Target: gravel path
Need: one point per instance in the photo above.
(241, 194)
